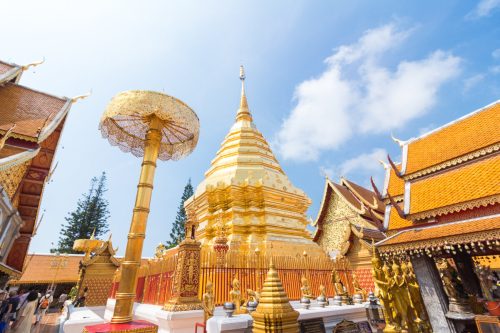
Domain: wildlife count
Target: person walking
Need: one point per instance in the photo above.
(43, 306)
(4, 303)
(25, 321)
(81, 300)
(61, 300)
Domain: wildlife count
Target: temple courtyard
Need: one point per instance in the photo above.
(345, 178)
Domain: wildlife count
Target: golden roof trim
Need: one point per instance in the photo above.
(9, 270)
(477, 203)
(372, 205)
(467, 237)
(359, 211)
(19, 158)
(458, 160)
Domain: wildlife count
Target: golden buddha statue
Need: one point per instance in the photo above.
(339, 287)
(415, 296)
(400, 298)
(207, 301)
(235, 296)
(322, 294)
(380, 276)
(357, 287)
(306, 289)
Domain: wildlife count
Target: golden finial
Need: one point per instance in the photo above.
(243, 111)
(399, 142)
(33, 64)
(383, 164)
(76, 98)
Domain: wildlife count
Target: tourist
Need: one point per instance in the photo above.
(43, 306)
(25, 319)
(81, 300)
(61, 300)
(13, 303)
(3, 308)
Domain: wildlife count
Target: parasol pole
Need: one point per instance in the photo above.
(132, 261)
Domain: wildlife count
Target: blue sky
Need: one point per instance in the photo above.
(327, 83)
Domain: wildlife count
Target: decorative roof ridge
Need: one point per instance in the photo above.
(16, 159)
(51, 126)
(349, 183)
(323, 202)
(437, 225)
(458, 207)
(336, 190)
(12, 73)
(409, 141)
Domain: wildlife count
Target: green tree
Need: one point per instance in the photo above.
(90, 216)
(178, 232)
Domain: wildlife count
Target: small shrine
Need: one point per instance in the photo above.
(349, 219)
(97, 269)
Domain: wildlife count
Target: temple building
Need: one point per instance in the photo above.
(31, 123)
(443, 213)
(247, 196)
(349, 220)
(49, 272)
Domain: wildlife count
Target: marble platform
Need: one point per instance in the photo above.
(184, 322)
(331, 316)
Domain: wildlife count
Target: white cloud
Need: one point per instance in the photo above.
(362, 166)
(356, 93)
(472, 81)
(496, 54)
(495, 69)
(483, 8)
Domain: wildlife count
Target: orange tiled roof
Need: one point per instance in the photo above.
(41, 268)
(464, 136)
(397, 222)
(28, 109)
(396, 185)
(468, 182)
(444, 231)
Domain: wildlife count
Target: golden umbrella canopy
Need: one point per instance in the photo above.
(126, 120)
(152, 125)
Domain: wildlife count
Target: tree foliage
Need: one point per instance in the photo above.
(178, 228)
(91, 215)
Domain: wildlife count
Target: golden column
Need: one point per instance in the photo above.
(152, 125)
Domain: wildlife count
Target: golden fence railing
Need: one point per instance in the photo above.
(251, 270)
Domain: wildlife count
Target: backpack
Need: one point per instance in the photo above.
(45, 303)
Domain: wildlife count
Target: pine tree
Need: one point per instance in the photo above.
(178, 232)
(91, 214)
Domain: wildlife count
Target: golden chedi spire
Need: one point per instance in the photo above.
(243, 111)
(274, 312)
(247, 186)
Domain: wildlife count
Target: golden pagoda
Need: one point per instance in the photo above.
(274, 312)
(246, 191)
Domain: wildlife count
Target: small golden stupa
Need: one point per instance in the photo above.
(246, 191)
(274, 312)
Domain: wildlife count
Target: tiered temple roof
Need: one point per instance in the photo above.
(447, 184)
(30, 126)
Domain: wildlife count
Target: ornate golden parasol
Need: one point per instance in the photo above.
(152, 125)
